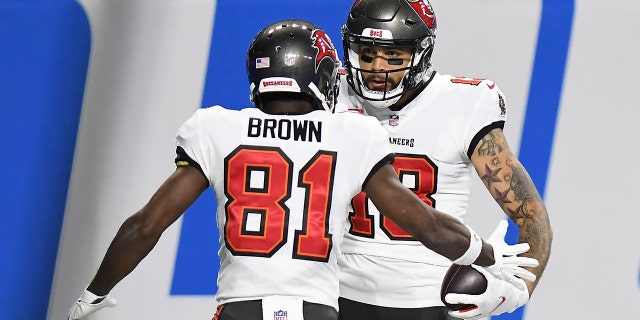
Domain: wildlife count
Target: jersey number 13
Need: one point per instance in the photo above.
(419, 174)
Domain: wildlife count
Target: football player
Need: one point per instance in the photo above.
(441, 127)
(284, 175)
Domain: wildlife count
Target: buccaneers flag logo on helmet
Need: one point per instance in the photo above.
(324, 45)
(425, 12)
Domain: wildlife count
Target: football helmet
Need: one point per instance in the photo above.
(294, 56)
(391, 24)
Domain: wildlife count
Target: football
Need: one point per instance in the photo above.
(464, 280)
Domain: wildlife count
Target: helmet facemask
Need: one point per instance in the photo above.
(326, 100)
(418, 68)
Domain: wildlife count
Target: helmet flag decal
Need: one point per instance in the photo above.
(325, 48)
(425, 12)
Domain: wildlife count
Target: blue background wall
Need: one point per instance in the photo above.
(44, 56)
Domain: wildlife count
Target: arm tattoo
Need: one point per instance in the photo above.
(512, 188)
(489, 146)
(523, 188)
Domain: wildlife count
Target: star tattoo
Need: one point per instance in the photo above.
(501, 197)
(491, 176)
(516, 215)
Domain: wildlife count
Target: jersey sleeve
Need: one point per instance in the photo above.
(490, 112)
(191, 147)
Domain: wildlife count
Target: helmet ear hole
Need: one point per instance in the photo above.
(426, 43)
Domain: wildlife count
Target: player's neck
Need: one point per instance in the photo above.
(288, 107)
(409, 96)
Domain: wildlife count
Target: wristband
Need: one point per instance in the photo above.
(475, 246)
(90, 297)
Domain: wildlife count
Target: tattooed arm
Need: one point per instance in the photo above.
(511, 186)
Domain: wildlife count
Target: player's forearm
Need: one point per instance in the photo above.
(526, 208)
(442, 233)
(131, 244)
(459, 244)
(451, 239)
(536, 230)
(438, 231)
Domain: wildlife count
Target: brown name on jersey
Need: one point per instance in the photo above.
(285, 129)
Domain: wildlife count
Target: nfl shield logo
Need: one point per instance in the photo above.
(394, 119)
(289, 59)
(280, 315)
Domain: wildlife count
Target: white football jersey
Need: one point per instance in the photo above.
(433, 137)
(283, 185)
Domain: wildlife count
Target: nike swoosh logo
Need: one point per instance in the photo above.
(499, 304)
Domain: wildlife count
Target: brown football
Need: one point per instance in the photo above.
(462, 279)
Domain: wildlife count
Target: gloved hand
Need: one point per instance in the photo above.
(509, 266)
(89, 303)
(501, 296)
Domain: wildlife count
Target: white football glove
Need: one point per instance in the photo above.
(89, 303)
(509, 266)
(501, 296)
